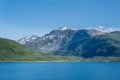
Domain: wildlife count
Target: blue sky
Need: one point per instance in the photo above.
(19, 18)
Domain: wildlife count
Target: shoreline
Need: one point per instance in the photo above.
(62, 61)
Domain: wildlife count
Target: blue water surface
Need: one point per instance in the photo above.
(59, 71)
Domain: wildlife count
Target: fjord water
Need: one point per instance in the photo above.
(59, 71)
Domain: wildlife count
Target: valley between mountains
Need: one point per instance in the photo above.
(64, 44)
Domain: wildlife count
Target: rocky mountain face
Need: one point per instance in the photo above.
(102, 45)
(28, 39)
(57, 39)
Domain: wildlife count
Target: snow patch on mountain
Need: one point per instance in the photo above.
(65, 28)
(29, 38)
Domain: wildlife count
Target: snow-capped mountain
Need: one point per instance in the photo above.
(64, 28)
(57, 38)
(28, 39)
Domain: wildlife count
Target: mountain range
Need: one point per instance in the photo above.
(56, 39)
(72, 42)
(63, 44)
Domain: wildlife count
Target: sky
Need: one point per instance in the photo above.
(19, 18)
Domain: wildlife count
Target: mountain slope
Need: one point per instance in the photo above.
(12, 51)
(28, 39)
(102, 45)
(57, 39)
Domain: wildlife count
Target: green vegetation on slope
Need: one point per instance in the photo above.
(12, 51)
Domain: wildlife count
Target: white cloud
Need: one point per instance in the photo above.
(107, 29)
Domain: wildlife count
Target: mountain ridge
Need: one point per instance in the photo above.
(57, 38)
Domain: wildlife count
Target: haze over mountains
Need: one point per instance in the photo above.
(67, 41)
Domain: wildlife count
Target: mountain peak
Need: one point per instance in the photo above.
(29, 38)
(65, 28)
